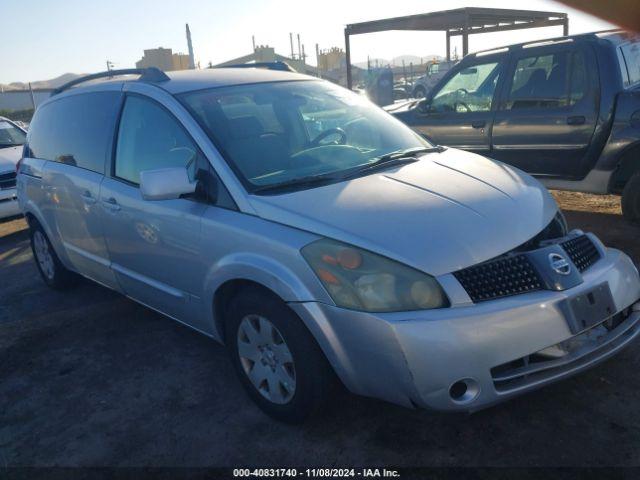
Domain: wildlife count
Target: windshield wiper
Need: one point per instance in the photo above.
(393, 158)
(398, 157)
(406, 153)
(301, 182)
(7, 145)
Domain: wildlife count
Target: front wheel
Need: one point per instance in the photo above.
(631, 199)
(278, 361)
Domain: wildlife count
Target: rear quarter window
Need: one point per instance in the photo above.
(75, 130)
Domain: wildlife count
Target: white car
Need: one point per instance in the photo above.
(12, 138)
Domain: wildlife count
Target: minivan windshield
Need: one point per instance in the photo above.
(293, 133)
(10, 135)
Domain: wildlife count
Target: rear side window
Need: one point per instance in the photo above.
(76, 130)
(548, 81)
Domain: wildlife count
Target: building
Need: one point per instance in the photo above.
(332, 59)
(164, 59)
(265, 53)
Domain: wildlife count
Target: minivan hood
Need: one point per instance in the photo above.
(9, 158)
(446, 212)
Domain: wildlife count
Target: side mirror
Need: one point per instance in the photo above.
(165, 183)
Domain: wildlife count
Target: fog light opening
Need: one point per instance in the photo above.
(464, 391)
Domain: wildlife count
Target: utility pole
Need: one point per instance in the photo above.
(291, 42)
(192, 62)
(318, 67)
(109, 65)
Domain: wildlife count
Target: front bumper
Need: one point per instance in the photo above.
(9, 206)
(413, 358)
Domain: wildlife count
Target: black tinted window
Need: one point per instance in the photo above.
(76, 130)
(631, 54)
(149, 139)
(548, 81)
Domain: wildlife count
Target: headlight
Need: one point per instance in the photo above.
(361, 280)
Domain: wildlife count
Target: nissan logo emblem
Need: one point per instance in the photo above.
(559, 264)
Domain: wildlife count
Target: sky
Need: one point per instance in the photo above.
(42, 39)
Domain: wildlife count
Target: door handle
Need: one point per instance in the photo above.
(87, 198)
(111, 204)
(576, 120)
(479, 124)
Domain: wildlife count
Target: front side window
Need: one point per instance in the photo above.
(469, 90)
(274, 133)
(150, 138)
(548, 81)
(10, 135)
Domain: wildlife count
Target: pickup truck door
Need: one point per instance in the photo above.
(459, 113)
(548, 110)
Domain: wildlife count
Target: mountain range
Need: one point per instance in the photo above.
(42, 84)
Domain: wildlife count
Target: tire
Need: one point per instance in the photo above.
(51, 269)
(631, 199)
(419, 92)
(291, 391)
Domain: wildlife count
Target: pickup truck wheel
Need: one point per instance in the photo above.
(278, 361)
(51, 269)
(631, 199)
(419, 92)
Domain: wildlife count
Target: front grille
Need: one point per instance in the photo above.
(582, 251)
(499, 278)
(7, 180)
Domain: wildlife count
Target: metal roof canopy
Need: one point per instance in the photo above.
(462, 22)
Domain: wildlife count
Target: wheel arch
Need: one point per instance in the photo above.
(286, 282)
(222, 298)
(628, 164)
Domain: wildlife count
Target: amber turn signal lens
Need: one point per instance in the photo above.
(349, 259)
(326, 258)
(328, 277)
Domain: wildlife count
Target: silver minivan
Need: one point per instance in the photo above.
(319, 239)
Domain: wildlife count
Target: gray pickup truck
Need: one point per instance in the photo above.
(566, 110)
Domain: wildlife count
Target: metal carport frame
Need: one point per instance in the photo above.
(461, 21)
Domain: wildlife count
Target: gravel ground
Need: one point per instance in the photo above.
(90, 378)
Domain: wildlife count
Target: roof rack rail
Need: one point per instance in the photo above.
(277, 65)
(150, 74)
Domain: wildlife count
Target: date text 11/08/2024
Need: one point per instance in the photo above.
(316, 473)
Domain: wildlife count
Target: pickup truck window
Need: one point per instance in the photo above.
(469, 90)
(548, 81)
(631, 57)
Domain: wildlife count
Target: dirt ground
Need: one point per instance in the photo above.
(602, 215)
(90, 378)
